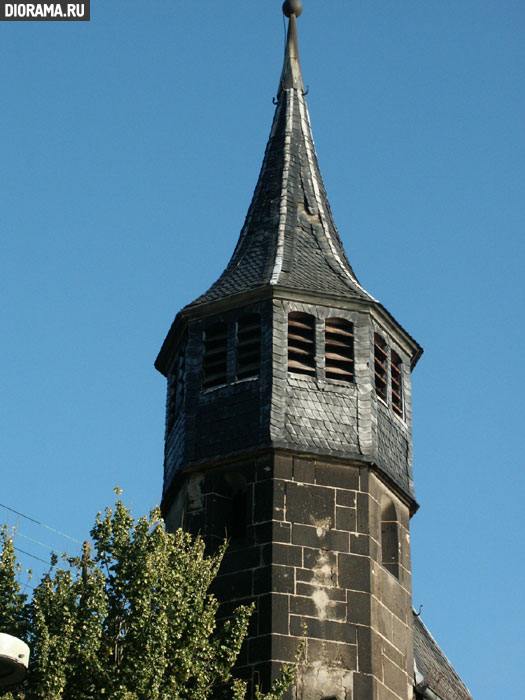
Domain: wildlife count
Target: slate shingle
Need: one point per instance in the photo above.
(289, 238)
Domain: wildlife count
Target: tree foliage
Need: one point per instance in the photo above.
(131, 618)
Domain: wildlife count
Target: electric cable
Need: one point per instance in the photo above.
(37, 522)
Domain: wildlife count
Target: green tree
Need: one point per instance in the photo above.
(131, 618)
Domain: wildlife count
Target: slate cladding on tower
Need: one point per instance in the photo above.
(228, 418)
(289, 237)
(340, 419)
(285, 410)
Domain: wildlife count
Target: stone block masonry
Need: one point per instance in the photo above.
(310, 557)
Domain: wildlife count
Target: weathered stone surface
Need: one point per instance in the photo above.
(358, 607)
(304, 470)
(332, 654)
(395, 678)
(369, 653)
(272, 531)
(289, 555)
(354, 572)
(308, 589)
(363, 686)
(283, 467)
(360, 544)
(400, 660)
(273, 610)
(346, 519)
(340, 476)
(363, 513)
(346, 498)
(284, 648)
(311, 505)
(321, 561)
(323, 629)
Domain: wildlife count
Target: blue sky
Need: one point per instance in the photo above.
(130, 149)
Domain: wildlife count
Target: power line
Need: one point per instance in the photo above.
(31, 539)
(37, 522)
(33, 556)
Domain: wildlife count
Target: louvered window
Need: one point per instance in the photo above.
(248, 361)
(339, 349)
(397, 385)
(175, 389)
(171, 404)
(380, 366)
(301, 343)
(214, 365)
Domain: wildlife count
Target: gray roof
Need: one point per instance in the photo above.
(289, 238)
(435, 667)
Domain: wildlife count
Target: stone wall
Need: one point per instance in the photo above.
(311, 555)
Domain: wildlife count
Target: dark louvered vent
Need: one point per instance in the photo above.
(301, 343)
(248, 346)
(397, 385)
(339, 349)
(181, 376)
(171, 404)
(175, 389)
(380, 365)
(214, 365)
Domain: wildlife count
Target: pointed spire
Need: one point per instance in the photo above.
(291, 76)
(289, 238)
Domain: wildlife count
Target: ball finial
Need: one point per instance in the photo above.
(292, 7)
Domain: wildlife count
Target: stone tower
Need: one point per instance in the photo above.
(288, 430)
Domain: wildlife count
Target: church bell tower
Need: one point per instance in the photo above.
(288, 430)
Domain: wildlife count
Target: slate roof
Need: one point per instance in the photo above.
(289, 238)
(435, 667)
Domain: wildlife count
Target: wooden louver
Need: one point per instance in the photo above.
(248, 362)
(171, 404)
(339, 349)
(214, 364)
(175, 389)
(301, 343)
(397, 385)
(380, 366)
